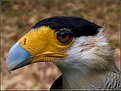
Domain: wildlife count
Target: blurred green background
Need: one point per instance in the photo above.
(19, 16)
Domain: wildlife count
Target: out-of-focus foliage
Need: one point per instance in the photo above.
(19, 16)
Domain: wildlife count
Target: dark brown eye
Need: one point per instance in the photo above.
(64, 36)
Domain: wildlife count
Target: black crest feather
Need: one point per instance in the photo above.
(79, 26)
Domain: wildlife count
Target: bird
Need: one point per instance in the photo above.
(78, 47)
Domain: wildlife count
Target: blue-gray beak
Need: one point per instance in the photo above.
(17, 57)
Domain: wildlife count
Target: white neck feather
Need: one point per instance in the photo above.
(86, 57)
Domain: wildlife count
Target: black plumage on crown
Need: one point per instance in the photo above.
(79, 26)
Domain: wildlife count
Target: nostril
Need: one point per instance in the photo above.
(24, 40)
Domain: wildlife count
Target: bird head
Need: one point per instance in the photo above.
(69, 42)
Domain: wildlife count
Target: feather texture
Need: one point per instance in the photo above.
(90, 64)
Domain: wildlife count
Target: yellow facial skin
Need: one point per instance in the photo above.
(43, 45)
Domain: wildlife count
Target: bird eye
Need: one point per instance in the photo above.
(64, 36)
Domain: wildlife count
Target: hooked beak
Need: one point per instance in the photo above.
(35, 46)
(17, 57)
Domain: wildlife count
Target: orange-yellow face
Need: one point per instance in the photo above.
(43, 44)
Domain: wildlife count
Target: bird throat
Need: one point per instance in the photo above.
(78, 80)
(74, 78)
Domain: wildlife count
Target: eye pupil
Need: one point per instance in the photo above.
(64, 36)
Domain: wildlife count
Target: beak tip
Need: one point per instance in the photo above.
(9, 71)
(7, 66)
(17, 55)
